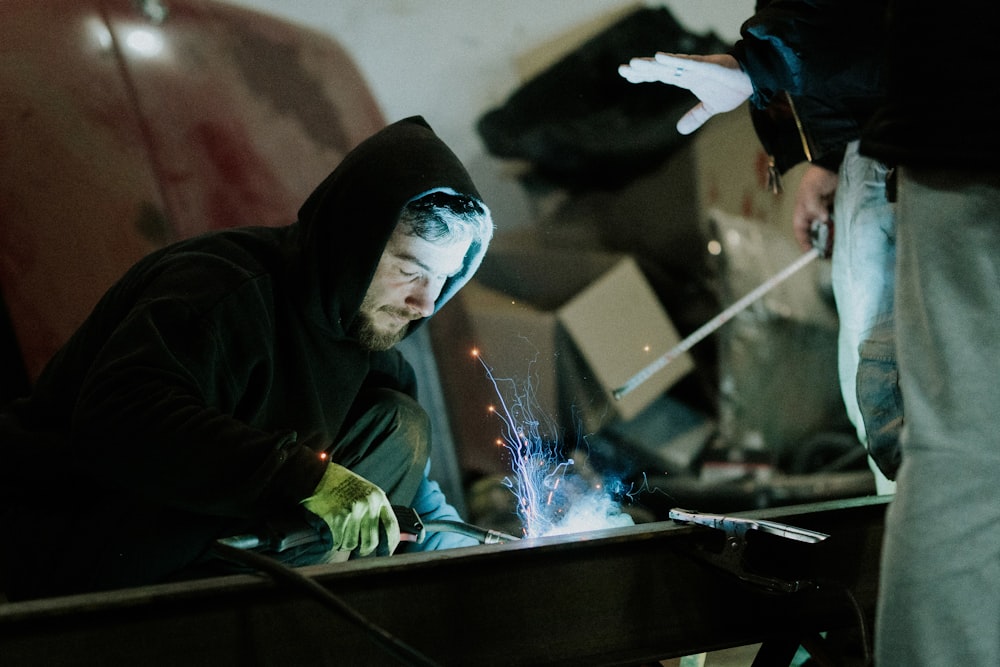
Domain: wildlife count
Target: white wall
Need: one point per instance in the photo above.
(452, 60)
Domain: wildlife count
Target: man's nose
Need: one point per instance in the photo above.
(423, 296)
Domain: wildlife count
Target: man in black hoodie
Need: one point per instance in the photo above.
(244, 378)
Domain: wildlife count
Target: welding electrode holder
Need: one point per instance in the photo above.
(412, 528)
(732, 556)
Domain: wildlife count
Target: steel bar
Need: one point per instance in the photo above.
(616, 597)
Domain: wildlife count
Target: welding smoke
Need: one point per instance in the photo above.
(584, 506)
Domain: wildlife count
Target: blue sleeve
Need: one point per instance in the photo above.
(431, 505)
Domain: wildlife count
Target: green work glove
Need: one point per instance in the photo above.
(355, 509)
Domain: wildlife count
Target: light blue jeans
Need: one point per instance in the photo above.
(862, 273)
(939, 600)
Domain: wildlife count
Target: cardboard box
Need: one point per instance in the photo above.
(574, 326)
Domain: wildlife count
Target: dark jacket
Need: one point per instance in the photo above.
(816, 68)
(943, 97)
(199, 391)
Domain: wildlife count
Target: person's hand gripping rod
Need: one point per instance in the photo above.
(821, 247)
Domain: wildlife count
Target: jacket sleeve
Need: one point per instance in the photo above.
(156, 410)
(825, 49)
(431, 504)
(816, 69)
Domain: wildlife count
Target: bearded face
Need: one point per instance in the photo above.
(409, 279)
(381, 327)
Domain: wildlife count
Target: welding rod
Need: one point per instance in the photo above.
(716, 322)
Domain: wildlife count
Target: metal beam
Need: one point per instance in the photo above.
(617, 597)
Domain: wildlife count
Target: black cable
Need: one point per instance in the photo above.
(866, 646)
(284, 574)
(859, 616)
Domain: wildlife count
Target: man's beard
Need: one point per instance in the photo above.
(372, 338)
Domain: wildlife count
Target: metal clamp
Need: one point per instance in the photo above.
(731, 558)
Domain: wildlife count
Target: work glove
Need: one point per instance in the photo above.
(356, 511)
(717, 80)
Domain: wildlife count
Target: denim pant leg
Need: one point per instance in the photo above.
(862, 273)
(939, 599)
(880, 399)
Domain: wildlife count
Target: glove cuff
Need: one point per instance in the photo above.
(324, 497)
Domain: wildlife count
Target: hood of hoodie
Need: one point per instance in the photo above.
(346, 222)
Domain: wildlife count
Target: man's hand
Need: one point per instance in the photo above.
(717, 80)
(355, 509)
(813, 201)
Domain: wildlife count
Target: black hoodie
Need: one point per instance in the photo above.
(205, 382)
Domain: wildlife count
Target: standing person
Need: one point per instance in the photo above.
(245, 378)
(794, 60)
(939, 601)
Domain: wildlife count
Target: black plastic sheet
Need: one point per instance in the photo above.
(581, 125)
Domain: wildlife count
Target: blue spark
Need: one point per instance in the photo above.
(551, 498)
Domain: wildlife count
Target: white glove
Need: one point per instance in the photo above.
(716, 80)
(355, 509)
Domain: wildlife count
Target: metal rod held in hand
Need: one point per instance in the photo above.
(716, 322)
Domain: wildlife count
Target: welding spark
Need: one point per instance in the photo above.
(551, 498)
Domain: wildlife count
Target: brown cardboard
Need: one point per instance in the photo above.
(619, 328)
(577, 325)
